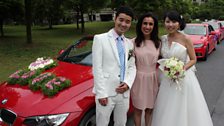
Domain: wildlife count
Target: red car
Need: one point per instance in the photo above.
(203, 37)
(219, 29)
(74, 106)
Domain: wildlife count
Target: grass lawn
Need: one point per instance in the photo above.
(16, 54)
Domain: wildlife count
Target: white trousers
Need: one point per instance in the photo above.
(119, 105)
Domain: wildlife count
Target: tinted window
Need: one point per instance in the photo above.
(80, 53)
(195, 30)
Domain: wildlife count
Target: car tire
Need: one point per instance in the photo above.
(90, 119)
(215, 46)
(206, 54)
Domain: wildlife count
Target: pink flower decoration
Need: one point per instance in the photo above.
(57, 83)
(49, 86)
(62, 79)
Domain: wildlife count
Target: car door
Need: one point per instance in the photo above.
(221, 30)
(212, 39)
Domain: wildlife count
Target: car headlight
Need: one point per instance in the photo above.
(47, 120)
(198, 45)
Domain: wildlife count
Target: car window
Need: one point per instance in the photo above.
(195, 30)
(81, 48)
(222, 22)
(220, 25)
(79, 53)
(214, 25)
(210, 28)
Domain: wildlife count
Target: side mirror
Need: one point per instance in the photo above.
(61, 51)
(212, 33)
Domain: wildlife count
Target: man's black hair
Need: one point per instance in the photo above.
(126, 10)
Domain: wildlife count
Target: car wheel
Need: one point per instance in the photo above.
(206, 54)
(215, 47)
(90, 119)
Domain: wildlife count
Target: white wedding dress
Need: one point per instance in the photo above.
(185, 107)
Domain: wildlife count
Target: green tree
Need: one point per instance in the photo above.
(82, 6)
(144, 6)
(159, 7)
(49, 10)
(10, 9)
(184, 7)
(215, 6)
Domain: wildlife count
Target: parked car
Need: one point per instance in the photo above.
(203, 37)
(222, 22)
(219, 29)
(74, 106)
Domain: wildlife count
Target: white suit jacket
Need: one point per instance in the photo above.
(106, 65)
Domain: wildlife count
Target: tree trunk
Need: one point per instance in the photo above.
(50, 23)
(77, 18)
(28, 18)
(90, 16)
(1, 27)
(82, 21)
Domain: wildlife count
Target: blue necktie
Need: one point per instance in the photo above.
(121, 54)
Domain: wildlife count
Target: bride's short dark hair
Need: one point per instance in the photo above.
(175, 16)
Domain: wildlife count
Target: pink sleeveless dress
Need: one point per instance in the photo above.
(145, 87)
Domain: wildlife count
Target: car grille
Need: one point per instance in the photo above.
(7, 116)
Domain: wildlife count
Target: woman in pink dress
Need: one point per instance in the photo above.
(145, 87)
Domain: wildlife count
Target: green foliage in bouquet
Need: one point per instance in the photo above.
(27, 77)
(47, 82)
(15, 77)
(55, 85)
(41, 79)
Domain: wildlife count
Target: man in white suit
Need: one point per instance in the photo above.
(114, 71)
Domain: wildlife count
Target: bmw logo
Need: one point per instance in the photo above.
(4, 101)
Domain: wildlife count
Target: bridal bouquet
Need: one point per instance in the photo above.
(173, 68)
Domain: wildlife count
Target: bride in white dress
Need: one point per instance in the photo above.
(187, 106)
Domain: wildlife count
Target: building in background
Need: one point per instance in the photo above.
(199, 1)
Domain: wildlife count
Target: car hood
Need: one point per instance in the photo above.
(25, 102)
(196, 39)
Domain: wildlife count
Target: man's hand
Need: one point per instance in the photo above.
(103, 101)
(122, 88)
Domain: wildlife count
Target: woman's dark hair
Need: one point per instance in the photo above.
(175, 16)
(153, 36)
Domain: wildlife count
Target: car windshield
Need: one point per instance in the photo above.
(79, 53)
(214, 25)
(195, 30)
(222, 22)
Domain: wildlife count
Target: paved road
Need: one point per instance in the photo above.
(210, 74)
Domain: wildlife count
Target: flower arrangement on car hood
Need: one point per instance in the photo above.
(47, 82)
(42, 63)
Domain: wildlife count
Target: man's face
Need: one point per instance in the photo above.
(122, 23)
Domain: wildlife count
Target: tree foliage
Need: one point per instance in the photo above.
(47, 10)
(215, 7)
(10, 9)
(84, 6)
